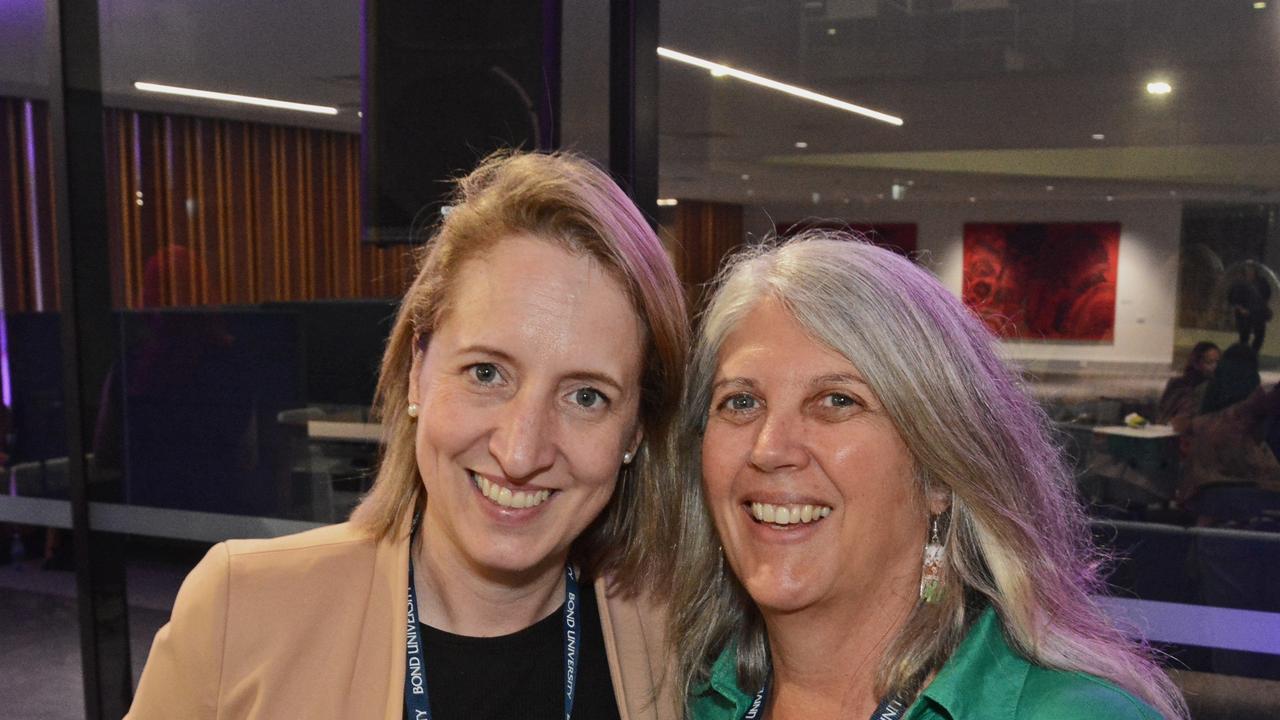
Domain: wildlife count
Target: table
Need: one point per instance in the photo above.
(1135, 464)
(333, 451)
(344, 431)
(1148, 432)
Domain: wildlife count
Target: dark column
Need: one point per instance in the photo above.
(446, 83)
(633, 99)
(89, 345)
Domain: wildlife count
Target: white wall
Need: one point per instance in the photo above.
(1146, 287)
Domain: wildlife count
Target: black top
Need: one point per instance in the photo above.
(519, 676)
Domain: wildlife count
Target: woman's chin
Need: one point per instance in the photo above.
(783, 594)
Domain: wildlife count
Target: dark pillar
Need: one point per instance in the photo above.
(446, 83)
(633, 99)
(89, 345)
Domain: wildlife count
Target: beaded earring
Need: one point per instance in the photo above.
(931, 577)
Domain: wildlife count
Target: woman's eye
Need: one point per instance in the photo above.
(589, 398)
(484, 373)
(738, 403)
(839, 400)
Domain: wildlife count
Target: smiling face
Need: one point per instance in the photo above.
(529, 388)
(809, 484)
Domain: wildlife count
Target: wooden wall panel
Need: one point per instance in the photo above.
(28, 221)
(705, 233)
(224, 212)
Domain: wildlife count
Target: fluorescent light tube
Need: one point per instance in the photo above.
(242, 99)
(719, 70)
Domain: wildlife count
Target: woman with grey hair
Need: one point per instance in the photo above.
(901, 536)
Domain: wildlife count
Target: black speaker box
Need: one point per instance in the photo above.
(446, 82)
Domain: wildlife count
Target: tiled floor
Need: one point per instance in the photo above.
(40, 674)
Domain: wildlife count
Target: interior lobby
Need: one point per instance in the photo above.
(210, 211)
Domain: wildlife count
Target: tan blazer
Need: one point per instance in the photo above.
(312, 625)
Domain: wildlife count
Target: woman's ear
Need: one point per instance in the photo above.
(939, 499)
(638, 438)
(418, 347)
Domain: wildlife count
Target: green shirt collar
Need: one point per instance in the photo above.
(720, 693)
(962, 687)
(959, 689)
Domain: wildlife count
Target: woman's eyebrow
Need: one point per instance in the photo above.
(479, 349)
(837, 379)
(740, 382)
(598, 378)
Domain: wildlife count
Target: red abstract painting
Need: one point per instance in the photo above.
(1048, 281)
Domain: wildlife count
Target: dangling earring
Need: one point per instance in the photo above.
(412, 410)
(720, 563)
(931, 577)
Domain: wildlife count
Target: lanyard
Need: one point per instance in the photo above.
(890, 708)
(416, 704)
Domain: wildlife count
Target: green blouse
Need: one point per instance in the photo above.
(984, 680)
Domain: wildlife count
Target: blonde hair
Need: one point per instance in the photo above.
(1017, 538)
(568, 201)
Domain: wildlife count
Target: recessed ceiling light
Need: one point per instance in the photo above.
(359, 113)
(1098, 136)
(240, 99)
(831, 31)
(745, 176)
(1049, 188)
(973, 199)
(1159, 87)
(802, 144)
(667, 202)
(792, 90)
(1259, 6)
(1110, 198)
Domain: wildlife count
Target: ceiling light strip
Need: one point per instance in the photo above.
(722, 70)
(242, 99)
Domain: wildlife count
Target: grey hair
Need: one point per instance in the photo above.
(1017, 538)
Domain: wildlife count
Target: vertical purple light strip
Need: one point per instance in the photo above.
(6, 385)
(33, 204)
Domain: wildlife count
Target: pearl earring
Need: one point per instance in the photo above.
(412, 410)
(626, 457)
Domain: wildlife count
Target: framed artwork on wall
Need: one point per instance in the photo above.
(1043, 281)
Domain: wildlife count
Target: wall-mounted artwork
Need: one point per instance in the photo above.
(899, 237)
(1047, 281)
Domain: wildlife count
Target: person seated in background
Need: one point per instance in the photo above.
(877, 514)
(1182, 395)
(1225, 442)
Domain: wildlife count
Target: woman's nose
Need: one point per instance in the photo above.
(778, 445)
(522, 442)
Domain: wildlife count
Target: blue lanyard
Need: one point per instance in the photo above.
(416, 704)
(890, 708)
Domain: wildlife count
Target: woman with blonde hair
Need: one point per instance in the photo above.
(506, 563)
(881, 525)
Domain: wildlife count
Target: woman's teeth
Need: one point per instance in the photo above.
(504, 497)
(788, 514)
